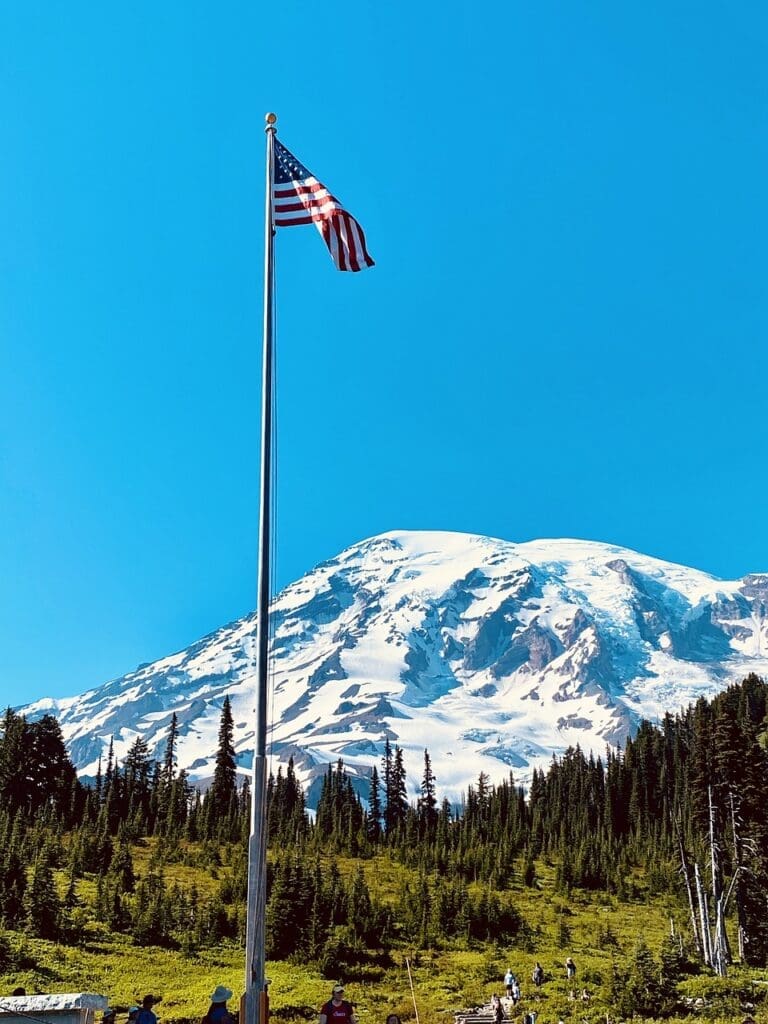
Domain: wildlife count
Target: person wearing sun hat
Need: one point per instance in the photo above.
(337, 1010)
(217, 1011)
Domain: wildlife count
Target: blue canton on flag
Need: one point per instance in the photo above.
(299, 198)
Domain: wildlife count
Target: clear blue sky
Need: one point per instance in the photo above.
(564, 335)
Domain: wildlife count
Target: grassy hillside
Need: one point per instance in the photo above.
(600, 932)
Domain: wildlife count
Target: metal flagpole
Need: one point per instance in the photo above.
(255, 1001)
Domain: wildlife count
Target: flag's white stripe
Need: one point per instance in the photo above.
(297, 181)
(303, 197)
(304, 187)
(357, 241)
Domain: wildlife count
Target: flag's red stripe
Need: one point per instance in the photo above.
(294, 189)
(353, 227)
(349, 234)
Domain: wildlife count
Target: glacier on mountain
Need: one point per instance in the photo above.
(493, 655)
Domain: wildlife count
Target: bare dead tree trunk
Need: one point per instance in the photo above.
(721, 953)
(684, 871)
(736, 882)
(713, 848)
(706, 939)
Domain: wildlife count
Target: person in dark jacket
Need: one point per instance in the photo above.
(146, 1015)
(497, 1009)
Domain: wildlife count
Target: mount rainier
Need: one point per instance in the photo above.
(492, 655)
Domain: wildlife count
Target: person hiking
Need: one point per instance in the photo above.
(337, 1010)
(146, 1015)
(538, 975)
(515, 994)
(497, 1009)
(570, 969)
(509, 980)
(217, 1011)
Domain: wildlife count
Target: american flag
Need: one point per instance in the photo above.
(299, 198)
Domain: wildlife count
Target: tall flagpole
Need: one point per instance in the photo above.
(255, 1002)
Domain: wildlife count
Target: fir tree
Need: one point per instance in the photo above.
(397, 797)
(386, 770)
(374, 808)
(41, 902)
(121, 869)
(222, 795)
(169, 758)
(166, 777)
(137, 769)
(427, 800)
(643, 990)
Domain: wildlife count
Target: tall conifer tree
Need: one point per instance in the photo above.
(222, 795)
(427, 800)
(374, 808)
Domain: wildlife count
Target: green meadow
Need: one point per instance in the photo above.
(601, 933)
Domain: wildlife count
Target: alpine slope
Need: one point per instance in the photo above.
(492, 655)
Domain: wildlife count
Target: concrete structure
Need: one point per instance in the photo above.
(73, 1008)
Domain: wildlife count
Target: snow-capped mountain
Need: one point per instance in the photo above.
(492, 655)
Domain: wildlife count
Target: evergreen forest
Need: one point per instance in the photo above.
(648, 864)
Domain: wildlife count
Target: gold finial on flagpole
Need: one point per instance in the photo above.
(271, 120)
